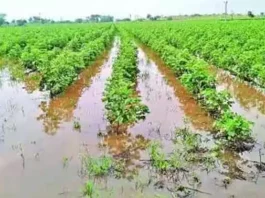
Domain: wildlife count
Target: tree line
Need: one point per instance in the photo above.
(95, 18)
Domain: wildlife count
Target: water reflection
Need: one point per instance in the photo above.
(127, 147)
(195, 114)
(248, 97)
(32, 82)
(61, 109)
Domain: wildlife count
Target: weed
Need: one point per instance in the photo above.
(77, 125)
(99, 166)
(89, 190)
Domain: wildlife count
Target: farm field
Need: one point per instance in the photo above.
(133, 109)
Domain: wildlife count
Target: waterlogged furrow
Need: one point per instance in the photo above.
(30, 149)
(196, 77)
(123, 105)
(157, 83)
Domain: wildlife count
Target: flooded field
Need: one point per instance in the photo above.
(42, 139)
(38, 139)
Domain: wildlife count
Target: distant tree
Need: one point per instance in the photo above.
(106, 18)
(155, 18)
(196, 15)
(250, 14)
(79, 20)
(21, 22)
(149, 16)
(262, 14)
(124, 19)
(2, 19)
(87, 19)
(95, 18)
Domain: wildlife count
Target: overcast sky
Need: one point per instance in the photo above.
(71, 9)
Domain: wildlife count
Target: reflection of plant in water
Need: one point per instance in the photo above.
(125, 147)
(247, 95)
(32, 82)
(177, 170)
(198, 117)
(145, 75)
(61, 108)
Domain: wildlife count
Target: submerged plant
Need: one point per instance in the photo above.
(77, 125)
(98, 166)
(158, 157)
(89, 190)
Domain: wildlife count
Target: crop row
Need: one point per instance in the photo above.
(58, 55)
(196, 77)
(122, 103)
(238, 47)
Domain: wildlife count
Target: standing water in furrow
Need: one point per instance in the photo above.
(73, 119)
(245, 170)
(249, 102)
(169, 103)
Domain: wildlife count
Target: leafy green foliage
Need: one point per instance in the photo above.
(89, 190)
(58, 53)
(98, 166)
(158, 157)
(234, 126)
(187, 152)
(181, 55)
(122, 104)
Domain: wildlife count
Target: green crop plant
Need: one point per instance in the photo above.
(233, 126)
(57, 52)
(183, 57)
(123, 106)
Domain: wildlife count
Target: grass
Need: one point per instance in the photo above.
(89, 190)
(77, 125)
(98, 166)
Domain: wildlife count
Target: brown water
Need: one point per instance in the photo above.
(248, 102)
(32, 163)
(40, 149)
(168, 101)
(247, 181)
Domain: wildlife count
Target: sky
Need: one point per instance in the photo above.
(71, 9)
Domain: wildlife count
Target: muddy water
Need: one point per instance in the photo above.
(246, 179)
(39, 148)
(168, 101)
(248, 102)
